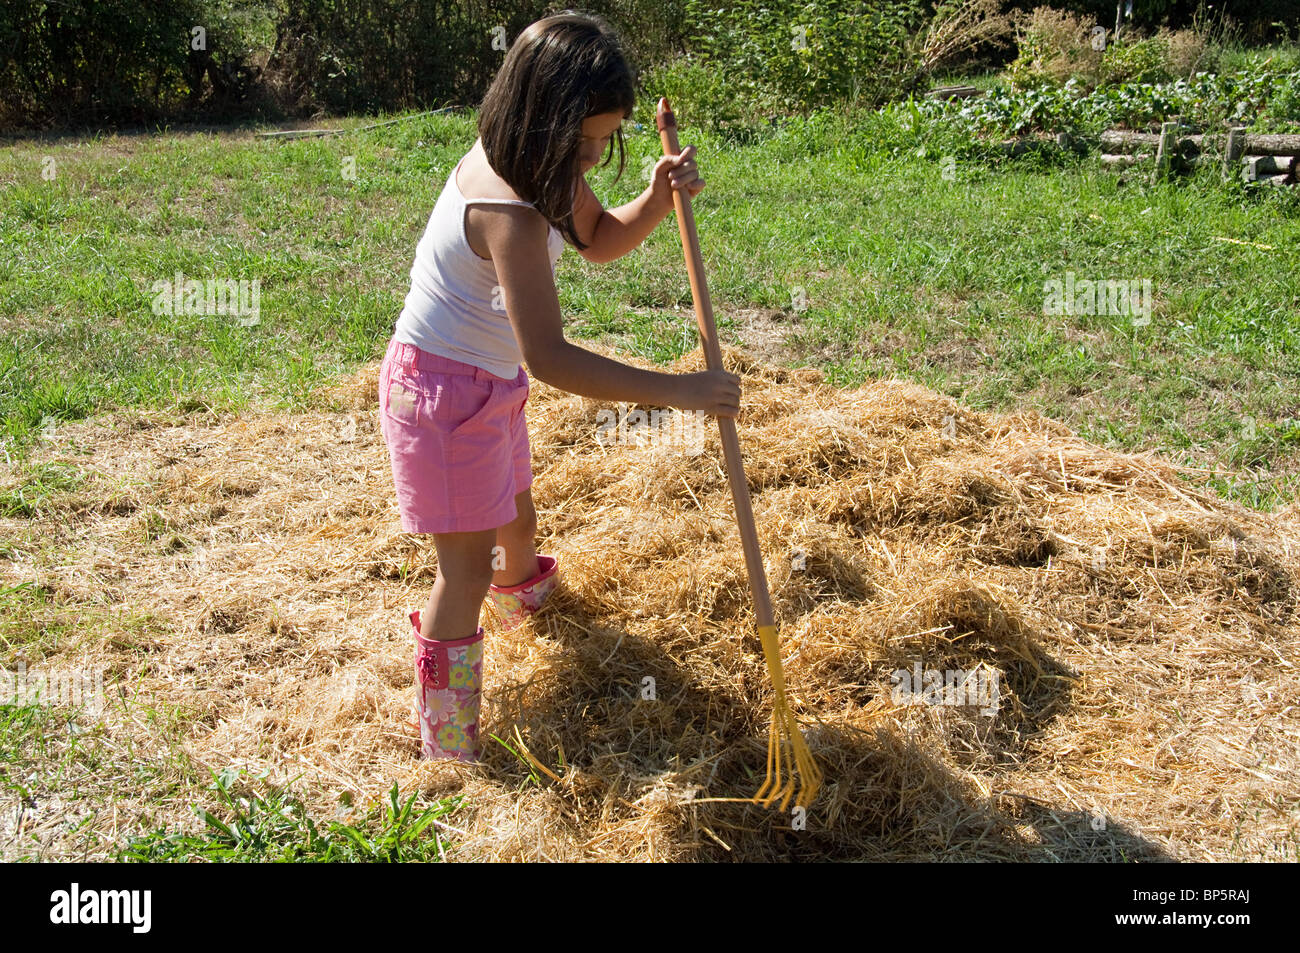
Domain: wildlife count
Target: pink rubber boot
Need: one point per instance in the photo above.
(448, 687)
(516, 603)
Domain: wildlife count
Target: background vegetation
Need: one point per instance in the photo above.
(98, 62)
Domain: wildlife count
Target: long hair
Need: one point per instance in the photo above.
(558, 71)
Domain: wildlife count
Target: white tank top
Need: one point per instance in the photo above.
(448, 310)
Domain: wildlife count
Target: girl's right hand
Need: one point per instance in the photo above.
(714, 392)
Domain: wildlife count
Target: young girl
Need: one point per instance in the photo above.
(483, 298)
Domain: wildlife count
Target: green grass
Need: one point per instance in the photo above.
(273, 825)
(1233, 58)
(37, 621)
(42, 484)
(67, 776)
(904, 273)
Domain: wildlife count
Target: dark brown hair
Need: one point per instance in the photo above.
(559, 71)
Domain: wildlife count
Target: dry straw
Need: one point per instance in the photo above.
(1142, 633)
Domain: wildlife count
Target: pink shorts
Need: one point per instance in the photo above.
(456, 438)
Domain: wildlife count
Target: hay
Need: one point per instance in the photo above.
(1143, 631)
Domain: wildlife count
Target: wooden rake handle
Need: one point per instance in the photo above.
(666, 123)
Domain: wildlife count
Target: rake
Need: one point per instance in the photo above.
(791, 769)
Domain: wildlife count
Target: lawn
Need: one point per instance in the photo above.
(827, 244)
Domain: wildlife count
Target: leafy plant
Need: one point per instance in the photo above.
(786, 54)
(1205, 100)
(1141, 61)
(275, 826)
(1285, 101)
(705, 96)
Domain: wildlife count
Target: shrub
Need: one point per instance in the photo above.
(1054, 46)
(1188, 52)
(1137, 61)
(701, 95)
(92, 60)
(1285, 101)
(786, 54)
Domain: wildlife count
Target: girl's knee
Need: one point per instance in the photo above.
(467, 577)
(466, 565)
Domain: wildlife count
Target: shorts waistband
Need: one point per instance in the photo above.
(411, 357)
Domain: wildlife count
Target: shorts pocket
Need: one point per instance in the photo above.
(468, 406)
(402, 403)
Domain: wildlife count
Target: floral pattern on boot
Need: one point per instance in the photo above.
(448, 687)
(516, 603)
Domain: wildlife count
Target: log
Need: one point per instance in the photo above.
(1255, 168)
(1124, 161)
(1122, 140)
(1275, 144)
(1023, 145)
(953, 92)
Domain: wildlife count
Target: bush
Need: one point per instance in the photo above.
(121, 61)
(784, 54)
(92, 61)
(1137, 61)
(703, 97)
(1189, 52)
(1054, 46)
(1285, 101)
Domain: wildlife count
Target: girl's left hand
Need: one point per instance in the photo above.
(676, 172)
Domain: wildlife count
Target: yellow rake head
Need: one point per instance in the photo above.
(791, 769)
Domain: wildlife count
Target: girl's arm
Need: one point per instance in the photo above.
(612, 233)
(516, 240)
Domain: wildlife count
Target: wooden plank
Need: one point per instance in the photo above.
(1255, 168)
(953, 92)
(1235, 147)
(1123, 140)
(1166, 150)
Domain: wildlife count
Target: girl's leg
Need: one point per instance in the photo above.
(518, 542)
(464, 575)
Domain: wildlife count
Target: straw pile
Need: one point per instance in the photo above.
(1142, 632)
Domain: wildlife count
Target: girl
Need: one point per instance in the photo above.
(451, 387)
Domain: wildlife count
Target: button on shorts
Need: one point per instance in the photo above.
(456, 439)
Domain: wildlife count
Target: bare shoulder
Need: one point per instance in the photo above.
(476, 180)
(510, 231)
(493, 225)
